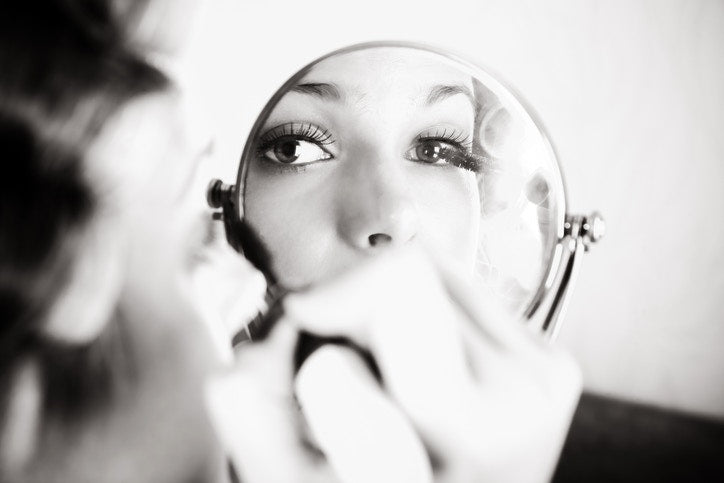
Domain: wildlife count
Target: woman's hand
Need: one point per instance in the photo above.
(467, 393)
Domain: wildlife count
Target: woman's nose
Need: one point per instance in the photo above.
(376, 209)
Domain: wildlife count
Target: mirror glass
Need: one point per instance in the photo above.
(381, 144)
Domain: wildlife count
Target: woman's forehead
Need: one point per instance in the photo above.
(386, 71)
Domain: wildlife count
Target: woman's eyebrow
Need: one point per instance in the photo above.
(319, 89)
(442, 92)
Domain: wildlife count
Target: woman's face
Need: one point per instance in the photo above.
(370, 149)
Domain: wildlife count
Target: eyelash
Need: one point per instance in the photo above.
(462, 146)
(322, 137)
(303, 130)
(455, 137)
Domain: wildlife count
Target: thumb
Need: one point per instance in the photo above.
(254, 414)
(363, 435)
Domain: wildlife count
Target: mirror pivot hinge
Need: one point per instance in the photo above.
(590, 229)
(218, 193)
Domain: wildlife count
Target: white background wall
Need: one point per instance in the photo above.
(632, 93)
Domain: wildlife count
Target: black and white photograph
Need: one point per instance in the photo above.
(245, 241)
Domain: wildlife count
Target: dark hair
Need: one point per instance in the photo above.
(66, 66)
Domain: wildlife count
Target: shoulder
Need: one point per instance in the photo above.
(615, 440)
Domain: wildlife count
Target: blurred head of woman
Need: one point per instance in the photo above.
(102, 349)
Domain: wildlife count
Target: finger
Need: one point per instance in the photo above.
(485, 316)
(254, 429)
(254, 414)
(363, 435)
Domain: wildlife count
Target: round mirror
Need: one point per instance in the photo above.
(385, 144)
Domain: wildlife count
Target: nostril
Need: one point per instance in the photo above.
(379, 239)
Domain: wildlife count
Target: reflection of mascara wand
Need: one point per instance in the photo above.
(476, 163)
(252, 247)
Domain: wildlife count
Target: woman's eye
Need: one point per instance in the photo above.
(295, 150)
(432, 151)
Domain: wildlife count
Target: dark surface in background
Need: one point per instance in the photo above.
(614, 441)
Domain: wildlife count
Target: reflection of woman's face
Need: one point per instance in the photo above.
(369, 149)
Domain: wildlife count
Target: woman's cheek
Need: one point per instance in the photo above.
(293, 214)
(449, 211)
